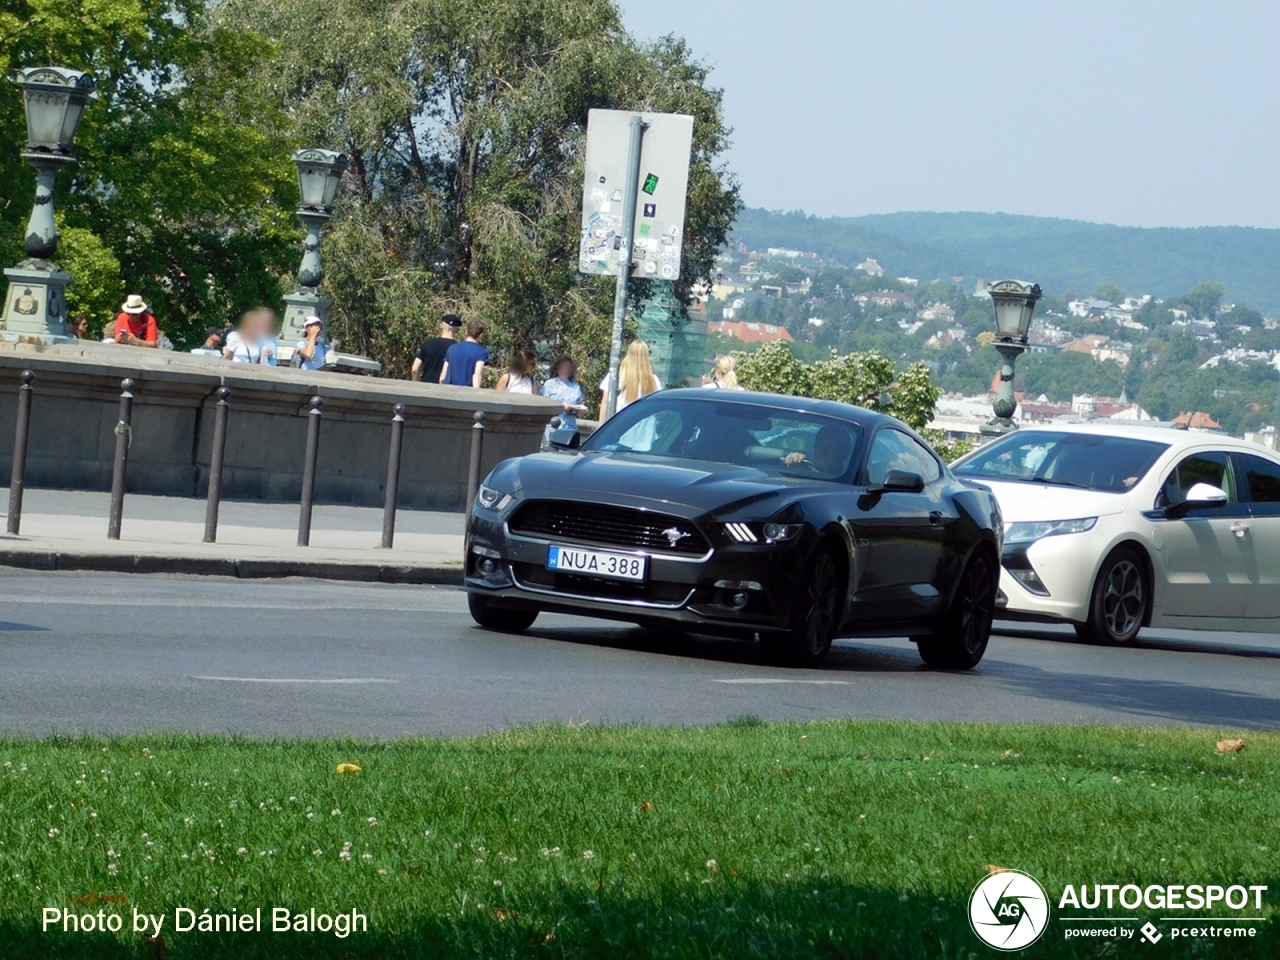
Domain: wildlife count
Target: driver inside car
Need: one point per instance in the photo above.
(832, 447)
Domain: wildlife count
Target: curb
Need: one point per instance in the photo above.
(227, 567)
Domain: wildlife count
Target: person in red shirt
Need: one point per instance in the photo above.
(135, 325)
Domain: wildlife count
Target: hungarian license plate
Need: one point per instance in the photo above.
(596, 563)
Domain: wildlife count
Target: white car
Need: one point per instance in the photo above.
(1113, 528)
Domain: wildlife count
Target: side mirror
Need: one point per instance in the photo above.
(1201, 496)
(903, 480)
(565, 438)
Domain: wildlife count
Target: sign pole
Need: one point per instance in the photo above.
(624, 261)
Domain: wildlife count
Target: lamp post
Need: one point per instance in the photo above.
(1014, 302)
(319, 174)
(36, 305)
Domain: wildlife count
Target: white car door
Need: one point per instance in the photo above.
(1259, 479)
(1208, 558)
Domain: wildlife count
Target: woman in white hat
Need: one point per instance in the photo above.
(135, 326)
(310, 350)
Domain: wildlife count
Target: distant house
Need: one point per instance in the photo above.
(750, 332)
(770, 290)
(779, 253)
(1196, 421)
(909, 281)
(870, 268)
(886, 298)
(937, 311)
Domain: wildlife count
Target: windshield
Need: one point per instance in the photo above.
(746, 434)
(1106, 463)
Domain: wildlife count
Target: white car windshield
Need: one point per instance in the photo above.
(1090, 461)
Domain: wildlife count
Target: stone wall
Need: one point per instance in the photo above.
(77, 393)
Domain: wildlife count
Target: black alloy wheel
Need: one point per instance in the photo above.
(493, 617)
(966, 628)
(1118, 606)
(814, 617)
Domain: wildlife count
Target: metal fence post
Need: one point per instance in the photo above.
(215, 465)
(309, 472)
(124, 437)
(393, 476)
(473, 474)
(18, 478)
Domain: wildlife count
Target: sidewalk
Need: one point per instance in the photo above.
(67, 530)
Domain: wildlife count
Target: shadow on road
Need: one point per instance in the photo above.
(671, 643)
(1147, 640)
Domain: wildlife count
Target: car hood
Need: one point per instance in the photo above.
(1039, 501)
(645, 480)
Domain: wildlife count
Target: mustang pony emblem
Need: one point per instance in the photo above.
(674, 535)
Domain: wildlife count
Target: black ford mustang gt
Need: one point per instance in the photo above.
(743, 514)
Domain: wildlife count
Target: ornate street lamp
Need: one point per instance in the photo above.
(319, 175)
(1014, 302)
(55, 98)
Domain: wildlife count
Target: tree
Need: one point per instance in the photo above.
(464, 121)
(1204, 298)
(1110, 291)
(182, 175)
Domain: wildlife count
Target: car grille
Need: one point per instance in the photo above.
(608, 525)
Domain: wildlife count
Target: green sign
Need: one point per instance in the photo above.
(650, 184)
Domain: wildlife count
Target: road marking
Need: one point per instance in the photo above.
(843, 683)
(299, 680)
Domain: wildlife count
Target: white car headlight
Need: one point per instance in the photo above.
(1029, 532)
(492, 499)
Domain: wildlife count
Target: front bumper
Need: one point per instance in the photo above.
(1065, 566)
(686, 591)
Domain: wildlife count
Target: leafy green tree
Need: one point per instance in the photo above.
(1110, 291)
(1204, 298)
(182, 174)
(464, 121)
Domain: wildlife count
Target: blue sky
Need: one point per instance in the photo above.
(1135, 112)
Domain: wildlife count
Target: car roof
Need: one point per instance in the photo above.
(1177, 439)
(831, 408)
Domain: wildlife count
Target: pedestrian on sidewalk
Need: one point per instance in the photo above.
(135, 326)
(310, 351)
(212, 346)
(429, 363)
(464, 362)
(724, 375)
(635, 377)
(564, 388)
(253, 340)
(519, 375)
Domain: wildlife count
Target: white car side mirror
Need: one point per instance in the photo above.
(1206, 493)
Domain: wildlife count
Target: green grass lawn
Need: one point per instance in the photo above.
(834, 839)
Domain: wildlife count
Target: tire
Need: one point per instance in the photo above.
(493, 617)
(1118, 604)
(966, 627)
(814, 617)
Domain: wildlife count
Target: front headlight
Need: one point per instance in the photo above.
(781, 532)
(1029, 532)
(492, 499)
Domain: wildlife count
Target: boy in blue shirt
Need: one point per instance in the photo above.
(464, 362)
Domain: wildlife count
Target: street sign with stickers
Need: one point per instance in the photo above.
(660, 200)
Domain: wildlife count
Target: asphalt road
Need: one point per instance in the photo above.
(116, 653)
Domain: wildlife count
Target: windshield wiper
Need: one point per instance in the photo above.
(1058, 483)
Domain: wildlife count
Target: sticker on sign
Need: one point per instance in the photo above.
(664, 164)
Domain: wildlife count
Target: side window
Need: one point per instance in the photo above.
(929, 469)
(894, 450)
(1211, 468)
(1261, 479)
